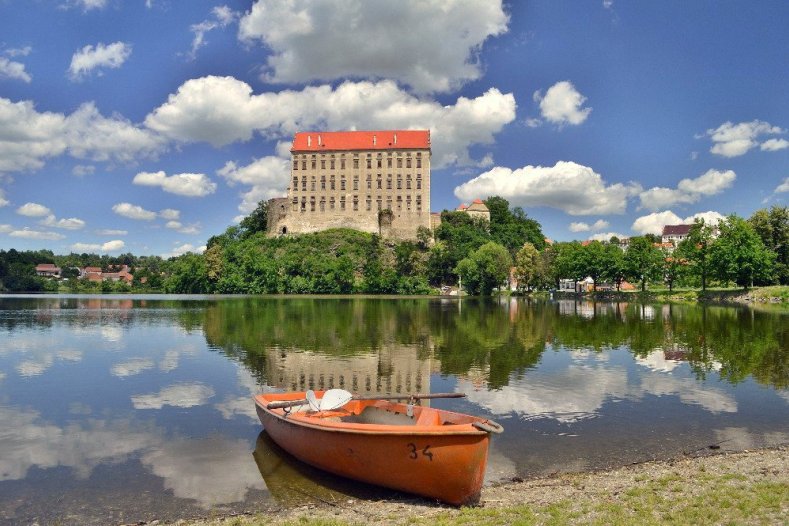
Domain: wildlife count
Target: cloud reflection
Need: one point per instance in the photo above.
(212, 471)
(131, 367)
(177, 395)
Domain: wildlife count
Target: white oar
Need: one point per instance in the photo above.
(336, 398)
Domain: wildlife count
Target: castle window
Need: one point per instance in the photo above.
(408, 161)
(312, 204)
(389, 202)
(342, 183)
(331, 183)
(355, 182)
(369, 162)
(304, 164)
(331, 163)
(303, 204)
(295, 164)
(418, 181)
(331, 203)
(295, 183)
(323, 204)
(312, 183)
(419, 203)
(408, 202)
(399, 182)
(342, 203)
(323, 182)
(369, 181)
(356, 163)
(378, 201)
(419, 160)
(389, 182)
(399, 202)
(379, 181)
(369, 203)
(399, 162)
(295, 204)
(356, 202)
(323, 164)
(389, 161)
(408, 182)
(313, 164)
(342, 162)
(304, 183)
(379, 161)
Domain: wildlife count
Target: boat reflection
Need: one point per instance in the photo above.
(292, 482)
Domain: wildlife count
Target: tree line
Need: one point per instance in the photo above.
(479, 255)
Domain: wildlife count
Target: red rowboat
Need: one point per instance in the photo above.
(430, 452)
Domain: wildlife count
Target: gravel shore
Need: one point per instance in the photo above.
(749, 487)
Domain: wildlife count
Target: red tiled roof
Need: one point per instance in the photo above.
(676, 230)
(360, 140)
(477, 201)
(92, 269)
(47, 266)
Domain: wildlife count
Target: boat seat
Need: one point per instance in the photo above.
(377, 415)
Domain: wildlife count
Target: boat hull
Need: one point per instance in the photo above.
(432, 461)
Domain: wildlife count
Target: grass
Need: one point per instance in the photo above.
(672, 499)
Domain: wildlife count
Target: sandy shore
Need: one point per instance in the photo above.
(750, 487)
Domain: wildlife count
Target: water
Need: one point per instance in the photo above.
(121, 409)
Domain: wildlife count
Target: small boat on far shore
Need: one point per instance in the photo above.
(416, 449)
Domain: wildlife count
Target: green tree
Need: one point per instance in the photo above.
(485, 269)
(512, 227)
(673, 268)
(773, 228)
(615, 264)
(527, 262)
(255, 222)
(695, 249)
(594, 261)
(643, 261)
(569, 261)
(188, 275)
(739, 255)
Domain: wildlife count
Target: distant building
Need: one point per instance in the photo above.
(349, 179)
(674, 234)
(477, 209)
(48, 270)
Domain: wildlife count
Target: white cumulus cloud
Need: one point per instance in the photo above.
(180, 250)
(711, 182)
(72, 223)
(89, 58)
(169, 213)
(188, 184)
(268, 178)
(222, 110)
(13, 70)
(115, 245)
(773, 145)
(33, 210)
(733, 140)
(430, 45)
(562, 103)
(3, 200)
(28, 233)
(783, 187)
(30, 137)
(568, 186)
(605, 236)
(580, 226)
(133, 212)
(222, 16)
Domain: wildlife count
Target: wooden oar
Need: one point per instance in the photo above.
(417, 396)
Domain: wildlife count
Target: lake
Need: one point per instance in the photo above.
(117, 409)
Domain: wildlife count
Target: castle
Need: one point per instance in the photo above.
(373, 181)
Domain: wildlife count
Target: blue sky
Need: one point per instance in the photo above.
(147, 126)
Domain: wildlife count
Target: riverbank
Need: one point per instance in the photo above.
(772, 295)
(749, 487)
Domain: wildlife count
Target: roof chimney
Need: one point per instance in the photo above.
(374, 140)
(319, 140)
(309, 141)
(395, 138)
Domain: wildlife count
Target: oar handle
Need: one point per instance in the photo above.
(418, 396)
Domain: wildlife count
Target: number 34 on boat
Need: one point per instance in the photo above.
(429, 452)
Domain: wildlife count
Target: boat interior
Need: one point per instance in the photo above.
(380, 412)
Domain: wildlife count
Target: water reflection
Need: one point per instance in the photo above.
(156, 392)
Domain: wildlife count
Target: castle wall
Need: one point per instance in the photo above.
(347, 189)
